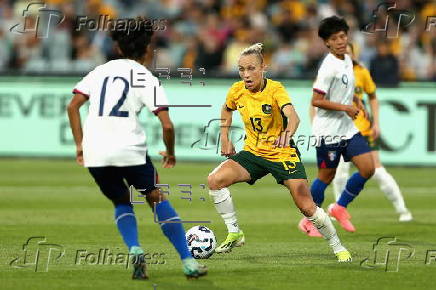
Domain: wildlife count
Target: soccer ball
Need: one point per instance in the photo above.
(201, 242)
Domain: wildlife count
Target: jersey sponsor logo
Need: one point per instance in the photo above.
(332, 155)
(266, 108)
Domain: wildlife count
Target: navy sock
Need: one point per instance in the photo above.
(317, 189)
(174, 231)
(354, 186)
(126, 223)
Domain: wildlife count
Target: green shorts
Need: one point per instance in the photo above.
(373, 144)
(258, 167)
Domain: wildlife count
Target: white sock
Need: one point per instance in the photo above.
(390, 188)
(324, 225)
(341, 178)
(224, 205)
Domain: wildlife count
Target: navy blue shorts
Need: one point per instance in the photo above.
(328, 156)
(114, 181)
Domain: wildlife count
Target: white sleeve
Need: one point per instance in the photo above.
(324, 78)
(84, 86)
(154, 97)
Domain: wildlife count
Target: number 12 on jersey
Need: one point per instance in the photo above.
(115, 112)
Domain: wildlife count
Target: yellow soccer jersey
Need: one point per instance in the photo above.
(261, 113)
(363, 84)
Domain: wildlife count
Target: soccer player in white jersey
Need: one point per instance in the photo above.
(333, 125)
(112, 143)
(368, 125)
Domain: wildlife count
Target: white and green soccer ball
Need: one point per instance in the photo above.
(201, 242)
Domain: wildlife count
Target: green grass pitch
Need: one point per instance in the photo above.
(58, 200)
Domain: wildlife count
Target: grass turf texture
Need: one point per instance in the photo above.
(59, 200)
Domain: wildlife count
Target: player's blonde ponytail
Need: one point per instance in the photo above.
(254, 49)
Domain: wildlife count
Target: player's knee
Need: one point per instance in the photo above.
(154, 196)
(120, 199)
(215, 181)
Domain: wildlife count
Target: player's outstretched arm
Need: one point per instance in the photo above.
(73, 110)
(291, 127)
(227, 148)
(169, 158)
(319, 100)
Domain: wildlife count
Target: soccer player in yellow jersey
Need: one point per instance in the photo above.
(370, 129)
(270, 122)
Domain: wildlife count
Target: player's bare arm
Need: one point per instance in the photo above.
(292, 126)
(76, 126)
(319, 100)
(312, 112)
(373, 104)
(227, 147)
(169, 158)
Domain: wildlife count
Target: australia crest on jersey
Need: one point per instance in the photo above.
(266, 108)
(332, 155)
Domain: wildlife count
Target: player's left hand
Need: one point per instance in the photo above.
(283, 140)
(375, 131)
(168, 161)
(79, 155)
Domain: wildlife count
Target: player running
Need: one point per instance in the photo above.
(370, 129)
(112, 143)
(270, 122)
(333, 125)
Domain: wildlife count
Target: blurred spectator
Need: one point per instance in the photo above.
(384, 67)
(287, 61)
(211, 34)
(85, 56)
(233, 51)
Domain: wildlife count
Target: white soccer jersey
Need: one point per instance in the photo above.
(336, 80)
(112, 134)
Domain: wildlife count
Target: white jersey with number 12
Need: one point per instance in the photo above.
(112, 133)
